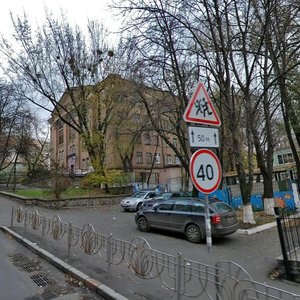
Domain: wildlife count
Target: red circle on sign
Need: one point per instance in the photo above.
(201, 157)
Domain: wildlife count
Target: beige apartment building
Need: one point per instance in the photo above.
(150, 154)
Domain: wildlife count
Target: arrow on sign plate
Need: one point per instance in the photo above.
(204, 137)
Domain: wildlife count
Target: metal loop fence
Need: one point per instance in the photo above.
(225, 280)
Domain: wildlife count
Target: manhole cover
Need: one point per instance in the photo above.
(30, 267)
(18, 258)
(42, 279)
(23, 263)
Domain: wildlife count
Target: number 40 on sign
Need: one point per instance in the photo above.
(205, 171)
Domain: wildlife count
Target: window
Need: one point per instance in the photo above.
(177, 161)
(169, 159)
(71, 133)
(290, 157)
(59, 124)
(139, 157)
(60, 136)
(61, 154)
(182, 205)
(165, 206)
(198, 207)
(72, 149)
(220, 206)
(147, 139)
(151, 195)
(285, 158)
(157, 158)
(175, 142)
(148, 158)
(85, 163)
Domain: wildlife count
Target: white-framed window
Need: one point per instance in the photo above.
(169, 159)
(157, 159)
(177, 161)
(285, 158)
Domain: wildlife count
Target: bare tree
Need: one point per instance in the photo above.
(12, 110)
(58, 68)
(281, 26)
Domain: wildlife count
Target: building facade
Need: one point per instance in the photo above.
(150, 158)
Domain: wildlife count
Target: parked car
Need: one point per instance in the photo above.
(163, 197)
(187, 215)
(135, 201)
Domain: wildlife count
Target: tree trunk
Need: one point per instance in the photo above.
(248, 214)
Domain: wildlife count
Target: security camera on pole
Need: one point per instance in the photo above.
(205, 167)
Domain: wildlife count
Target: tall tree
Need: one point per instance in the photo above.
(12, 111)
(58, 68)
(282, 36)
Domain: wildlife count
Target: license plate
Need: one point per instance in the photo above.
(230, 219)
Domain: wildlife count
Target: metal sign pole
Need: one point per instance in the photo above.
(207, 225)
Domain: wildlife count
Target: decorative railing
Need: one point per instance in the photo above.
(288, 226)
(224, 281)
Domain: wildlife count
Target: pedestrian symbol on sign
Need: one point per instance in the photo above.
(202, 107)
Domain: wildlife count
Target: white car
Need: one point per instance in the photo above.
(135, 201)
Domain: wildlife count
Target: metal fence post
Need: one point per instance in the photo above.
(179, 275)
(282, 243)
(109, 252)
(43, 226)
(25, 219)
(12, 216)
(70, 230)
(217, 280)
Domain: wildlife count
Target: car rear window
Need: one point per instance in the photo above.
(221, 206)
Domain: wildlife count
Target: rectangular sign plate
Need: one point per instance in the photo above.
(204, 137)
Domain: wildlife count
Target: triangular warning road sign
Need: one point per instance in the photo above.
(200, 109)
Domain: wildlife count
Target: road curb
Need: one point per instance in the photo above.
(91, 283)
(256, 229)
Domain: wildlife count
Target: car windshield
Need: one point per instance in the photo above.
(221, 206)
(139, 195)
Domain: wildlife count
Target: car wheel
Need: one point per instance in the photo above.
(193, 233)
(143, 224)
(138, 207)
(126, 209)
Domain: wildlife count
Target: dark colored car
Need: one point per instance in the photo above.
(187, 215)
(163, 197)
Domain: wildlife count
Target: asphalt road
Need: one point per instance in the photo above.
(255, 253)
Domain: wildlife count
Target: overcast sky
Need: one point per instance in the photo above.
(76, 11)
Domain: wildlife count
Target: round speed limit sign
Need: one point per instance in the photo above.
(205, 171)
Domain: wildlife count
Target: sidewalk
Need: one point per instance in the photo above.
(26, 275)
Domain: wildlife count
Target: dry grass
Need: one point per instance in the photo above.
(259, 216)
